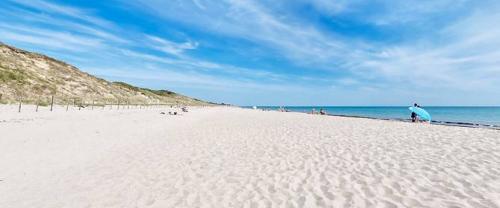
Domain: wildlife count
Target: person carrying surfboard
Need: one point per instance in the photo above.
(414, 116)
(419, 113)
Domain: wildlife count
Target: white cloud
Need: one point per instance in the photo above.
(413, 11)
(61, 23)
(49, 38)
(467, 60)
(185, 62)
(174, 78)
(255, 22)
(58, 9)
(199, 4)
(171, 47)
(331, 7)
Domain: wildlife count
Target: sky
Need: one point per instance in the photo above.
(275, 52)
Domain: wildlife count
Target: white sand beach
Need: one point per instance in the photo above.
(231, 157)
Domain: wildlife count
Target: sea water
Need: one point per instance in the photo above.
(454, 114)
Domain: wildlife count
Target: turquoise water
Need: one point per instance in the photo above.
(475, 115)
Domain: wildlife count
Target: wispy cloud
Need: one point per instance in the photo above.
(64, 10)
(208, 67)
(29, 17)
(49, 38)
(466, 58)
(255, 22)
(171, 47)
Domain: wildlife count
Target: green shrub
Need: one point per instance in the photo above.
(7, 76)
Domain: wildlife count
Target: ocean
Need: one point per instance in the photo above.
(440, 114)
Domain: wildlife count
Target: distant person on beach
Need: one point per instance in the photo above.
(313, 111)
(322, 112)
(414, 116)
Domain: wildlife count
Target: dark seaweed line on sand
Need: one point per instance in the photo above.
(444, 123)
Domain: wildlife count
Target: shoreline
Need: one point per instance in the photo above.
(434, 122)
(442, 123)
(13, 107)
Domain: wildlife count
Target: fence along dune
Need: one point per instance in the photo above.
(33, 78)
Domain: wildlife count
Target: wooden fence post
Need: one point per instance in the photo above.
(20, 103)
(51, 102)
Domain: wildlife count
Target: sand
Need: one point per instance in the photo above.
(230, 157)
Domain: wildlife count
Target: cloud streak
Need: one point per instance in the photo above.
(171, 47)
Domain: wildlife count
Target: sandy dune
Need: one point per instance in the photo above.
(229, 157)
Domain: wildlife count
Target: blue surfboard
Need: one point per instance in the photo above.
(423, 114)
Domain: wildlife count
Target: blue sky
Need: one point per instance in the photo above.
(279, 52)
